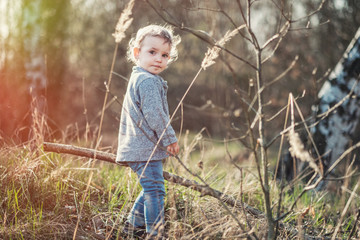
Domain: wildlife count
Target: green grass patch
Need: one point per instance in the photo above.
(43, 194)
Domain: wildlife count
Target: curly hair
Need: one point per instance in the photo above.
(165, 32)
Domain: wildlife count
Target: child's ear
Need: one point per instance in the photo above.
(136, 52)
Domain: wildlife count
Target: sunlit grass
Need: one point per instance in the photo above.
(41, 194)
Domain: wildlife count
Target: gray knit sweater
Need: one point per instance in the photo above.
(144, 116)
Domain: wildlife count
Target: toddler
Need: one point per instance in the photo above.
(145, 137)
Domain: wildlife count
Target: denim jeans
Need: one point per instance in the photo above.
(148, 209)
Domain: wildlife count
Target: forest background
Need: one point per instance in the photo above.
(74, 38)
(77, 43)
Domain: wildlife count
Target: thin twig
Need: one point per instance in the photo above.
(311, 138)
(200, 35)
(354, 227)
(282, 140)
(310, 186)
(123, 24)
(344, 211)
(110, 158)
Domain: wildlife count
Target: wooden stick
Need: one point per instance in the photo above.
(204, 190)
(109, 157)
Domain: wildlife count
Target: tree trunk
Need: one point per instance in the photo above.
(341, 92)
(33, 27)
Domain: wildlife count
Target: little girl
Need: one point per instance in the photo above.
(145, 135)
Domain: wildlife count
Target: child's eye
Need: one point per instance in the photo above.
(152, 52)
(165, 55)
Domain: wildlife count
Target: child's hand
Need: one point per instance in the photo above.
(173, 148)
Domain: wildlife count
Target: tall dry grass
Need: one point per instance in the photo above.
(42, 194)
(46, 195)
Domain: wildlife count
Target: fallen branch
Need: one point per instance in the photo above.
(109, 157)
(204, 190)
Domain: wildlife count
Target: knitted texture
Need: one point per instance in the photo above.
(144, 116)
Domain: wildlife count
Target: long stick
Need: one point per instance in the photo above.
(109, 157)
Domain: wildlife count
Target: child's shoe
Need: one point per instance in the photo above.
(130, 230)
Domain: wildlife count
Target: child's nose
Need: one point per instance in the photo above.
(158, 58)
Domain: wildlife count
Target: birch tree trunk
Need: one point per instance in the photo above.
(341, 94)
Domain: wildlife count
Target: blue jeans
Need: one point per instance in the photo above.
(148, 209)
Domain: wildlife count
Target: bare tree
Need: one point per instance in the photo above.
(262, 49)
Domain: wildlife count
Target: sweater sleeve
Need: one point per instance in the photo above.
(152, 107)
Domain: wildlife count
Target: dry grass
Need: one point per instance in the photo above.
(41, 194)
(213, 53)
(124, 22)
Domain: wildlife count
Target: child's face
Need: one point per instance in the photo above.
(153, 55)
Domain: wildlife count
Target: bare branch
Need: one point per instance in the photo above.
(321, 178)
(354, 226)
(278, 36)
(319, 117)
(338, 104)
(201, 35)
(232, 22)
(213, 53)
(312, 13)
(283, 74)
(344, 211)
(311, 138)
(110, 158)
